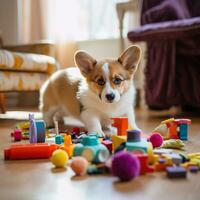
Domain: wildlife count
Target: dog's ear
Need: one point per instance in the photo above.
(84, 61)
(130, 58)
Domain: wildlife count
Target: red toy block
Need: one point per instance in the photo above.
(17, 135)
(29, 151)
(173, 132)
(144, 167)
(183, 121)
(121, 123)
(108, 144)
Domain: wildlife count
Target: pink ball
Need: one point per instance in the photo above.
(79, 165)
(156, 139)
(125, 165)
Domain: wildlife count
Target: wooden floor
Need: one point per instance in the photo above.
(37, 179)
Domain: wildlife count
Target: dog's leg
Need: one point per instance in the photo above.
(131, 119)
(107, 127)
(92, 122)
(48, 116)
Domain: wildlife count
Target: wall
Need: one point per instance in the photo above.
(8, 21)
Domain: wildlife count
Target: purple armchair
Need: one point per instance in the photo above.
(172, 32)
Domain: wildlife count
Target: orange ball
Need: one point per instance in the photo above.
(79, 165)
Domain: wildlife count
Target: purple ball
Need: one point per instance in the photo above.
(125, 165)
(156, 139)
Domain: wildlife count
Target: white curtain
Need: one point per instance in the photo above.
(68, 21)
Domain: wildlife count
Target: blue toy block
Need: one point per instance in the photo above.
(183, 131)
(59, 139)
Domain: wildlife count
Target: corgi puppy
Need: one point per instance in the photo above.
(93, 92)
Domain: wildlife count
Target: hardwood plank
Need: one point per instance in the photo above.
(37, 179)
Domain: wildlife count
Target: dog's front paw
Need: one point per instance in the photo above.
(109, 131)
(99, 133)
(134, 127)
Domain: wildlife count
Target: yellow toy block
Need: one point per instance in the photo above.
(167, 121)
(151, 158)
(163, 130)
(117, 140)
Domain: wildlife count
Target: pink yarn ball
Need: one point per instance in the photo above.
(125, 165)
(79, 165)
(156, 139)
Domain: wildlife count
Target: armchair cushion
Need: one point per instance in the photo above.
(182, 28)
(26, 62)
(21, 81)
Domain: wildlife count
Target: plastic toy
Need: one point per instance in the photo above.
(144, 166)
(59, 158)
(96, 169)
(135, 142)
(174, 128)
(29, 151)
(59, 139)
(79, 165)
(125, 165)
(173, 144)
(69, 147)
(193, 169)
(117, 140)
(160, 165)
(176, 172)
(91, 149)
(17, 135)
(121, 123)
(162, 151)
(156, 139)
(183, 128)
(108, 144)
(176, 158)
(36, 130)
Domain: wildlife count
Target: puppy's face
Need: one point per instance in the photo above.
(109, 79)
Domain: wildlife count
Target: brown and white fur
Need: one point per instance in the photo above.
(93, 92)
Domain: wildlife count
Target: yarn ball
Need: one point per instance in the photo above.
(125, 165)
(79, 165)
(59, 158)
(156, 139)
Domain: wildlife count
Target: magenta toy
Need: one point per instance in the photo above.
(125, 165)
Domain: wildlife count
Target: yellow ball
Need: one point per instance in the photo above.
(59, 158)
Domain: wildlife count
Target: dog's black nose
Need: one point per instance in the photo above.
(110, 96)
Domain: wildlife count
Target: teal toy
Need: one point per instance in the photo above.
(59, 139)
(135, 142)
(91, 149)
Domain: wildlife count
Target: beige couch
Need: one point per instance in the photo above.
(25, 68)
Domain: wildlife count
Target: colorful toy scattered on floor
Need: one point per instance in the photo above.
(174, 128)
(125, 155)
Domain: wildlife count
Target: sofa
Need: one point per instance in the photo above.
(171, 30)
(25, 67)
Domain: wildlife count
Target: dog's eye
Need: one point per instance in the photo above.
(117, 81)
(100, 82)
